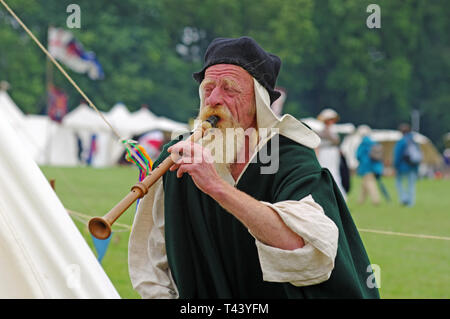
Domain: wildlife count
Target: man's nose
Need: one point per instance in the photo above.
(215, 98)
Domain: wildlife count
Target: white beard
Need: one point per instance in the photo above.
(227, 145)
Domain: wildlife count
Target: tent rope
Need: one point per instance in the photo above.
(384, 232)
(83, 218)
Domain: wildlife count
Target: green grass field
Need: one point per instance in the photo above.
(410, 267)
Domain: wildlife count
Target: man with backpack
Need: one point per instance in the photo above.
(407, 157)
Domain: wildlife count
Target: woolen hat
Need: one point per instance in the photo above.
(246, 53)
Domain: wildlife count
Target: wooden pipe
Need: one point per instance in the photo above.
(100, 227)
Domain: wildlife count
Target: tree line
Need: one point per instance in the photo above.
(331, 58)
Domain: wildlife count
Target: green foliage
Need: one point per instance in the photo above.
(150, 48)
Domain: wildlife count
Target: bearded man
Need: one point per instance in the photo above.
(222, 224)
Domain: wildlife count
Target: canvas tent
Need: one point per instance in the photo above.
(42, 253)
(51, 143)
(84, 118)
(11, 113)
(45, 141)
(144, 120)
(55, 144)
(388, 138)
(9, 110)
(88, 125)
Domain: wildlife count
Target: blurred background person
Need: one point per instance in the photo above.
(152, 142)
(370, 156)
(407, 157)
(446, 156)
(328, 152)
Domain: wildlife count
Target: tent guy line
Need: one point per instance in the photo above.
(83, 218)
(375, 231)
(383, 232)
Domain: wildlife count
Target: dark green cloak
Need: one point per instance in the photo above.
(212, 255)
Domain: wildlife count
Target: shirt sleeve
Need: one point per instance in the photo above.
(314, 262)
(147, 260)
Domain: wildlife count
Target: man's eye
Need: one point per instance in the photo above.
(229, 89)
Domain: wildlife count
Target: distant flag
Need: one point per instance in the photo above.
(92, 149)
(101, 246)
(63, 46)
(57, 106)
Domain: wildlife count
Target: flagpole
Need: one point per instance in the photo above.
(49, 75)
(49, 84)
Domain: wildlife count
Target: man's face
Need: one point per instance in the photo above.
(228, 89)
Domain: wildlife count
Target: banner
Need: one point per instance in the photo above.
(57, 106)
(101, 246)
(63, 46)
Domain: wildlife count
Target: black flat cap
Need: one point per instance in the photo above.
(246, 53)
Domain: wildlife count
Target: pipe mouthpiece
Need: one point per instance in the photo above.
(213, 119)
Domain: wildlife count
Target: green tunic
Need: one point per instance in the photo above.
(212, 255)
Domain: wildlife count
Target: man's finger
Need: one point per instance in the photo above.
(181, 170)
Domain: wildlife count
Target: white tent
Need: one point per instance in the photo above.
(42, 253)
(51, 143)
(168, 125)
(120, 119)
(11, 113)
(144, 120)
(45, 141)
(83, 118)
(9, 110)
(86, 123)
(54, 143)
(86, 119)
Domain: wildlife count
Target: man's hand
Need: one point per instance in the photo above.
(198, 162)
(264, 223)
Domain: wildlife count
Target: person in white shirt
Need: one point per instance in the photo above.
(328, 152)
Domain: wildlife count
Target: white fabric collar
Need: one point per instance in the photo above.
(287, 125)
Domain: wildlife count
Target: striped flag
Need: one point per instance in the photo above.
(63, 46)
